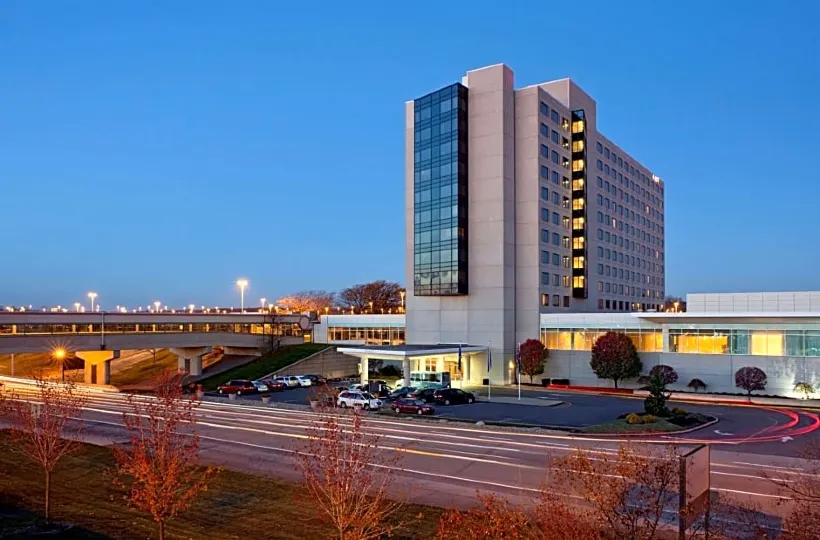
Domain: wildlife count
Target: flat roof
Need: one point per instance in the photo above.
(408, 351)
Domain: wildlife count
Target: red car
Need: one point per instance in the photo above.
(275, 386)
(412, 406)
(238, 387)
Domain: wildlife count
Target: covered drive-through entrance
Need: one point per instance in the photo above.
(471, 369)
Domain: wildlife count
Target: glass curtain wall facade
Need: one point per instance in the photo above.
(579, 206)
(758, 341)
(368, 335)
(440, 193)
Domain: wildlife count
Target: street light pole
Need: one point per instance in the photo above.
(92, 296)
(242, 283)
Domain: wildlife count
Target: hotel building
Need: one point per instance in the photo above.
(515, 206)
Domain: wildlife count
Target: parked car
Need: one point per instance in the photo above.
(260, 386)
(303, 381)
(424, 394)
(453, 395)
(275, 386)
(316, 379)
(238, 387)
(412, 406)
(361, 399)
(289, 380)
(401, 393)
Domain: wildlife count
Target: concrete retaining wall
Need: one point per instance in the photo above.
(716, 370)
(328, 363)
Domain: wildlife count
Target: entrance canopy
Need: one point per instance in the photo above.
(402, 352)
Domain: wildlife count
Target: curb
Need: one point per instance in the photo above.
(711, 422)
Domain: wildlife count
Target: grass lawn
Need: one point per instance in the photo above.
(267, 364)
(145, 371)
(621, 426)
(236, 505)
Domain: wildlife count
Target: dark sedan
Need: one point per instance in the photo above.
(412, 406)
(316, 379)
(424, 394)
(401, 393)
(449, 396)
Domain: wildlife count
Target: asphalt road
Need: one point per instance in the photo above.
(442, 463)
(748, 429)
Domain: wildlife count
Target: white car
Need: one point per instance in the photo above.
(290, 380)
(358, 399)
(303, 381)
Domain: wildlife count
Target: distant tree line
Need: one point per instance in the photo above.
(374, 297)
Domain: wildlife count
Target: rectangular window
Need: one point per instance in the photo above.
(578, 146)
(565, 281)
(556, 197)
(556, 239)
(556, 178)
(566, 301)
(545, 278)
(578, 204)
(545, 173)
(555, 116)
(545, 194)
(578, 224)
(545, 299)
(577, 282)
(556, 280)
(556, 219)
(565, 222)
(565, 261)
(545, 214)
(545, 257)
(577, 165)
(565, 241)
(578, 242)
(555, 137)
(599, 147)
(578, 263)
(544, 130)
(544, 109)
(555, 157)
(599, 165)
(556, 300)
(556, 259)
(545, 236)
(545, 152)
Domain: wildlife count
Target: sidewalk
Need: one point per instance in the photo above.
(537, 402)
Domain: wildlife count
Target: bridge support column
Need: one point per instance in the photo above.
(405, 368)
(97, 365)
(190, 359)
(364, 366)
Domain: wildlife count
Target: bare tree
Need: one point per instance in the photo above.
(349, 478)
(307, 301)
(373, 297)
(45, 426)
(160, 467)
(804, 488)
(629, 491)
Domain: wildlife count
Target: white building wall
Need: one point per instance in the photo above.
(716, 370)
(760, 302)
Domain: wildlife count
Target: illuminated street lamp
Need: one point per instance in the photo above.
(191, 307)
(263, 300)
(676, 304)
(157, 303)
(371, 307)
(402, 293)
(59, 355)
(92, 296)
(242, 283)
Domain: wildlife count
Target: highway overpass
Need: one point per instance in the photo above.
(98, 338)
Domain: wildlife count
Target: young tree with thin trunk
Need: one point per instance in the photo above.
(349, 478)
(533, 357)
(160, 467)
(45, 425)
(750, 378)
(615, 357)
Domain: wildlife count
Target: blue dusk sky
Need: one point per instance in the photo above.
(161, 150)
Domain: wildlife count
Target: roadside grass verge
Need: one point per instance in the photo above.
(236, 505)
(621, 426)
(282, 358)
